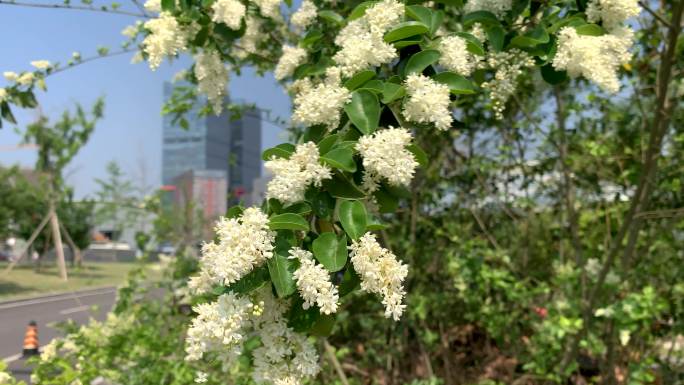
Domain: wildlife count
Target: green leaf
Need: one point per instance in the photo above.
(331, 251)
(280, 269)
(340, 187)
(341, 158)
(406, 29)
(375, 86)
(301, 208)
(473, 45)
(6, 113)
(421, 60)
(483, 17)
(284, 150)
(323, 326)
(314, 133)
(531, 39)
(392, 92)
(360, 10)
(357, 80)
(321, 202)
(235, 212)
(299, 319)
(373, 224)
(168, 5)
(590, 30)
(551, 76)
(253, 280)
(419, 154)
(311, 38)
(353, 217)
(364, 111)
(387, 202)
(288, 221)
(419, 13)
(331, 16)
(458, 85)
(350, 281)
(436, 21)
(411, 40)
(327, 143)
(496, 36)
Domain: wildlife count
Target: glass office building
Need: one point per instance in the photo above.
(214, 143)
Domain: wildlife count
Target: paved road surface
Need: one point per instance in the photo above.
(46, 311)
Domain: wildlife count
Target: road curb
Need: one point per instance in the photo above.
(55, 295)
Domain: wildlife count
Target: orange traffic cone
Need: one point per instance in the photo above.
(31, 339)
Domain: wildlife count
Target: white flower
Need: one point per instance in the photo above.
(292, 58)
(218, 325)
(612, 12)
(497, 7)
(3, 94)
(508, 65)
(201, 377)
(5, 378)
(428, 102)
(320, 104)
(131, 31)
(10, 76)
(49, 351)
(153, 5)
(269, 8)
(243, 244)
(26, 79)
(292, 176)
(455, 56)
(385, 155)
(252, 37)
(229, 12)
(303, 17)
(166, 38)
(41, 64)
(313, 282)
(597, 58)
(381, 273)
(212, 78)
(361, 41)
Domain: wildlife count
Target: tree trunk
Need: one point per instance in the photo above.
(59, 248)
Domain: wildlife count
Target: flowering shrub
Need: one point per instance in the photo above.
(381, 92)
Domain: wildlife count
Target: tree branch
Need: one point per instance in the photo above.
(75, 8)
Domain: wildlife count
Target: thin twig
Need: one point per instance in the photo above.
(74, 8)
(89, 59)
(336, 364)
(655, 14)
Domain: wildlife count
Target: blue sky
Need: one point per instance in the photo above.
(130, 132)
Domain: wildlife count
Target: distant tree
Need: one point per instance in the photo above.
(118, 204)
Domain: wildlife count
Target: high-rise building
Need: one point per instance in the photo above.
(214, 143)
(206, 187)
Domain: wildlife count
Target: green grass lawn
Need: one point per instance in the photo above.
(24, 281)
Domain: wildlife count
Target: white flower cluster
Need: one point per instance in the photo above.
(41, 64)
(3, 95)
(428, 102)
(456, 57)
(269, 8)
(380, 272)
(25, 79)
(508, 66)
(612, 12)
(153, 5)
(292, 58)
(320, 104)
(293, 175)
(361, 41)
(243, 244)
(313, 282)
(229, 12)
(306, 14)
(284, 357)
(249, 42)
(167, 37)
(219, 325)
(385, 156)
(212, 78)
(597, 58)
(497, 7)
